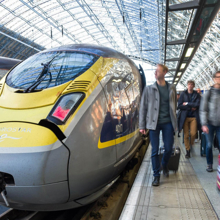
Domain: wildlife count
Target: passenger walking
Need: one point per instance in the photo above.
(210, 117)
(158, 112)
(188, 103)
(198, 90)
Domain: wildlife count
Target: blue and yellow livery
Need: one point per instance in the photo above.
(68, 126)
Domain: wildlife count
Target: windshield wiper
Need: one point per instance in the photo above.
(42, 76)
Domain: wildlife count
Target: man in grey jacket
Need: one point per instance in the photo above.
(158, 112)
(210, 117)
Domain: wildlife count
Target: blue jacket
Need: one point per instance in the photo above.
(195, 102)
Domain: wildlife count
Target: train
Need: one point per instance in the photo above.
(68, 126)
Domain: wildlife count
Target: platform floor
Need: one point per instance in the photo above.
(191, 193)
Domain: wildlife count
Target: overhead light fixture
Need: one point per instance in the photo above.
(179, 73)
(176, 79)
(189, 51)
(175, 83)
(183, 66)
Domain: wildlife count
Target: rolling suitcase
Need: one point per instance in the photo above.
(174, 160)
(203, 145)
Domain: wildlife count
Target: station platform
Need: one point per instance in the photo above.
(191, 193)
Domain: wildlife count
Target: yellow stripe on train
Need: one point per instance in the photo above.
(116, 141)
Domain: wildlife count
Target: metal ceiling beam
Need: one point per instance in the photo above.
(173, 59)
(141, 59)
(166, 27)
(183, 41)
(184, 6)
(192, 31)
(19, 41)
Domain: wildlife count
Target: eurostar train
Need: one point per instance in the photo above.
(68, 126)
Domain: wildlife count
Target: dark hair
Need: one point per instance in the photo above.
(214, 74)
(165, 68)
(191, 81)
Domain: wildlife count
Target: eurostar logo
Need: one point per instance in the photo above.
(16, 129)
(5, 136)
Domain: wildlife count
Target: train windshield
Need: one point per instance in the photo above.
(49, 69)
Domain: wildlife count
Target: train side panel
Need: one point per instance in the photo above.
(96, 168)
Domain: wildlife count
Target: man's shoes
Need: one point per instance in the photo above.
(156, 181)
(165, 171)
(209, 168)
(187, 154)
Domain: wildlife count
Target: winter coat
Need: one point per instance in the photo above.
(195, 102)
(150, 104)
(210, 107)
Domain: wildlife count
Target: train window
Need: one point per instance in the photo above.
(136, 90)
(49, 69)
(130, 93)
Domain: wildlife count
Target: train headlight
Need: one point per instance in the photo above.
(65, 106)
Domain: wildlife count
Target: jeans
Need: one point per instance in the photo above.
(209, 141)
(168, 139)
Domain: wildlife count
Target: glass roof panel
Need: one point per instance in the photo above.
(209, 54)
(173, 2)
(171, 65)
(178, 24)
(174, 51)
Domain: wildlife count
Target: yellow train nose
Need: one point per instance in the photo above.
(21, 135)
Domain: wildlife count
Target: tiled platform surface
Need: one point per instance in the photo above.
(181, 196)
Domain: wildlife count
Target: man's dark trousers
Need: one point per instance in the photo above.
(168, 139)
(209, 141)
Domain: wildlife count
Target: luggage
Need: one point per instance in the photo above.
(174, 160)
(203, 145)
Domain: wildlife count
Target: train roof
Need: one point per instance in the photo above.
(93, 49)
(7, 63)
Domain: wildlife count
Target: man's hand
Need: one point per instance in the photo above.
(185, 103)
(143, 131)
(193, 109)
(205, 129)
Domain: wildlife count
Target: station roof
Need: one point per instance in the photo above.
(153, 31)
(131, 27)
